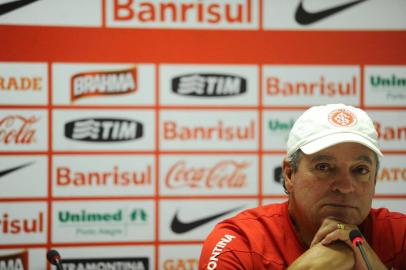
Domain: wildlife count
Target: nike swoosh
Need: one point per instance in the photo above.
(304, 17)
(10, 6)
(178, 226)
(8, 171)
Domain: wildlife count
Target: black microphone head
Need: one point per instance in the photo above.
(53, 256)
(354, 234)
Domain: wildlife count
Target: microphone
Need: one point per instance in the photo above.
(357, 240)
(54, 258)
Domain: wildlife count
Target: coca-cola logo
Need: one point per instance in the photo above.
(224, 174)
(17, 129)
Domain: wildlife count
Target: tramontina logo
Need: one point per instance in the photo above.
(112, 223)
(135, 263)
(103, 130)
(209, 85)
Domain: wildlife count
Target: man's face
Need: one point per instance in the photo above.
(337, 182)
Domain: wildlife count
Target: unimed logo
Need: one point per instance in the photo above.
(103, 130)
(277, 124)
(133, 263)
(391, 81)
(209, 85)
(17, 261)
(102, 83)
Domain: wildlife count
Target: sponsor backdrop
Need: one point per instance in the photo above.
(129, 128)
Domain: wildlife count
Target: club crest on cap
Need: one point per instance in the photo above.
(342, 118)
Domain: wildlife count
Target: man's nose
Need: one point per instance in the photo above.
(343, 182)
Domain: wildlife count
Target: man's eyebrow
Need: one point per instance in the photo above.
(323, 158)
(366, 159)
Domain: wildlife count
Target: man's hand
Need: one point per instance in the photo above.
(332, 231)
(334, 256)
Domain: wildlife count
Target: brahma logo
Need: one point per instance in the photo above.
(225, 174)
(17, 129)
(103, 130)
(135, 263)
(17, 261)
(188, 13)
(209, 85)
(342, 118)
(181, 264)
(92, 84)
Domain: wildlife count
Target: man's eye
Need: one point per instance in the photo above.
(324, 167)
(362, 170)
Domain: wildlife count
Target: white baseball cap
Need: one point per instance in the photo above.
(320, 127)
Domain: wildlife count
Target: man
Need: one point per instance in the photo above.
(329, 176)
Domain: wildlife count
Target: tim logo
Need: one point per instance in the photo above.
(105, 83)
(17, 261)
(103, 130)
(136, 263)
(209, 85)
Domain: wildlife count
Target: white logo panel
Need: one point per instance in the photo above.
(310, 85)
(50, 12)
(17, 179)
(391, 178)
(101, 221)
(209, 85)
(23, 223)
(103, 130)
(103, 84)
(179, 257)
(23, 83)
(208, 174)
(103, 175)
(394, 205)
(23, 130)
(272, 175)
(209, 130)
(276, 127)
(391, 127)
(385, 85)
(179, 219)
(208, 14)
(334, 15)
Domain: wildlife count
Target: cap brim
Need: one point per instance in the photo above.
(336, 138)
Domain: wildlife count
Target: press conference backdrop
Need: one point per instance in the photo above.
(129, 128)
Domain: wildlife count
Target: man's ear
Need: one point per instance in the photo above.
(287, 175)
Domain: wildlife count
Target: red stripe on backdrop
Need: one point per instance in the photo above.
(201, 46)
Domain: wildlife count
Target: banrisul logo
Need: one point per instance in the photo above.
(103, 130)
(103, 83)
(133, 263)
(209, 85)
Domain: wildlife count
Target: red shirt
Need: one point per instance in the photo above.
(264, 238)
